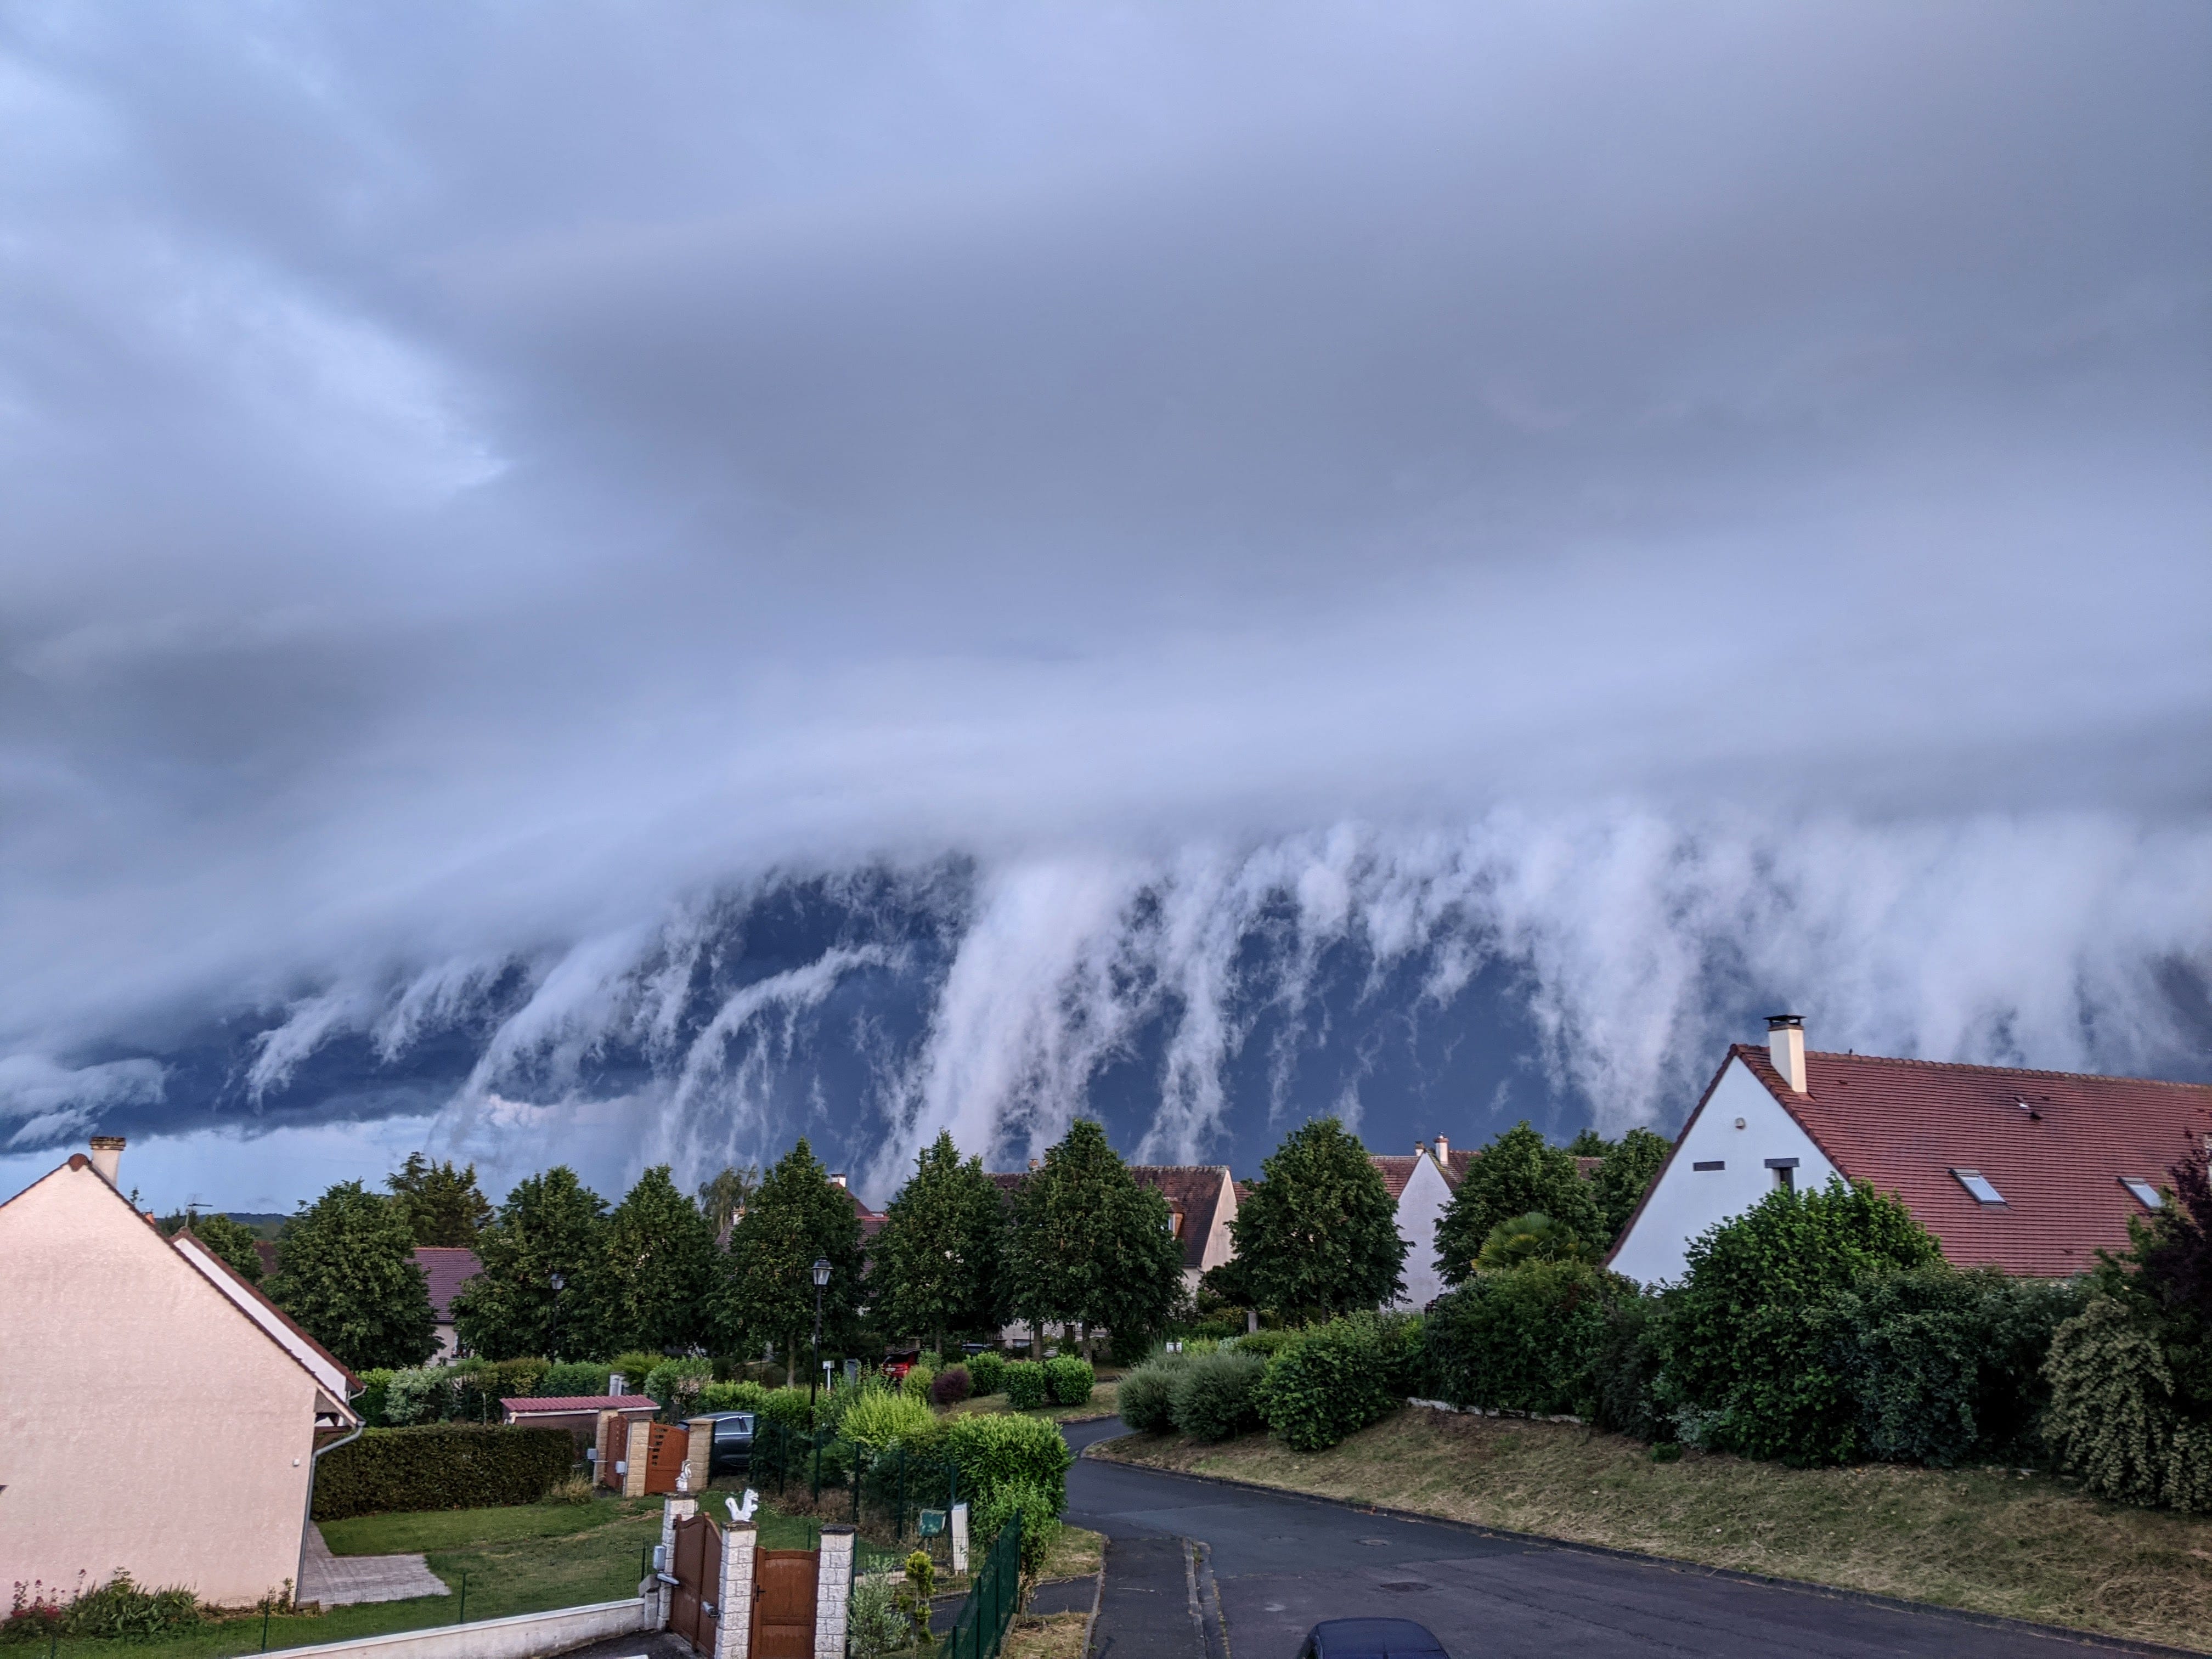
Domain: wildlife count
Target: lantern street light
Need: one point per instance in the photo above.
(821, 1279)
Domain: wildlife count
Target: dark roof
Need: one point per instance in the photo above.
(1460, 1161)
(1396, 1168)
(1192, 1192)
(447, 1267)
(2056, 1144)
(582, 1402)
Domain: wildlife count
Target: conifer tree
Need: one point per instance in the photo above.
(443, 1205)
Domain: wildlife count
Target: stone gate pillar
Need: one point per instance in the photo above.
(698, 1452)
(733, 1607)
(833, 1591)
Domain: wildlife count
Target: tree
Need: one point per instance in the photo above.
(1527, 1238)
(1590, 1144)
(656, 1270)
(1516, 1174)
(724, 1198)
(442, 1205)
(1622, 1179)
(345, 1270)
(767, 1290)
(937, 1262)
(535, 1294)
(228, 1239)
(1319, 1231)
(1089, 1244)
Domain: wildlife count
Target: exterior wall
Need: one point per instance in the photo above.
(1419, 1208)
(526, 1636)
(1220, 1243)
(449, 1346)
(833, 1591)
(1687, 1201)
(93, 1294)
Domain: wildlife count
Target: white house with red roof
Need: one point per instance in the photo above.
(2033, 1172)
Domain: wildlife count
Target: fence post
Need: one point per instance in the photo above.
(859, 1453)
(898, 1521)
(817, 1464)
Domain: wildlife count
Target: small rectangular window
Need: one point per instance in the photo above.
(1978, 1184)
(1716, 1163)
(2146, 1194)
(1785, 1176)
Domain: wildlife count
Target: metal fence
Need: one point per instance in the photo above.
(981, 1623)
(888, 1486)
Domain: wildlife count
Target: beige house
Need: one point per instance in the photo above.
(230, 1401)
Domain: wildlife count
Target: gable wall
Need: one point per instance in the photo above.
(122, 1368)
(1687, 1201)
(1419, 1208)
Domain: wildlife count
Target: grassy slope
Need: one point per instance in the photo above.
(1996, 1542)
(1102, 1404)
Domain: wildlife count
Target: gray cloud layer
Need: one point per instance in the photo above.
(477, 481)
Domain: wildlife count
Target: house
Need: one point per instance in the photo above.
(871, 1221)
(2033, 1172)
(446, 1268)
(220, 1473)
(1421, 1186)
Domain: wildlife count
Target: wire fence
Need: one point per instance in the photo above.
(884, 1488)
(981, 1624)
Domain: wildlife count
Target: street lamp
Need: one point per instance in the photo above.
(821, 1279)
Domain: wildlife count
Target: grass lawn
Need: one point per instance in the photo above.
(1055, 1636)
(524, 1558)
(1102, 1404)
(1991, 1541)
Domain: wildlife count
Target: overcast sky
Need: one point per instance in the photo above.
(474, 478)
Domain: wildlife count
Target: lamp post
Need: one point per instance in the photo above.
(821, 1279)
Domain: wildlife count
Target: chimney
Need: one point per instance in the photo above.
(1037, 1164)
(1443, 1153)
(836, 1177)
(107, 1157)
(1786, 1042)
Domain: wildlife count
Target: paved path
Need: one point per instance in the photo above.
(337, 1581)
(1279, 1564)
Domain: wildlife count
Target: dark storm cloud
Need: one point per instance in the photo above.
(477, 480)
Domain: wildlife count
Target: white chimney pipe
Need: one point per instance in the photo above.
(836, 1177)
(1443, 1153)
(107, 1158)
(1785, 1044)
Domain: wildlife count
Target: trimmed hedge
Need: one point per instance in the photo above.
(1211, 1397)
(996, 1450)
(1026, 1384)
(1070, 1379)
(445, 1466)
(1147, 1394)
(986, 1371)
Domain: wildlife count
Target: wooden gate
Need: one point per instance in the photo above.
(783, 1603)
(666, 1446)
(697, 1570)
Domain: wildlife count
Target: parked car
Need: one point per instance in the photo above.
(897, 1362)
(732, 1452)
(1370, 1638)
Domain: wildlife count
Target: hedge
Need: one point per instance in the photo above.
(1211, 1397)
(445, 1466)
(1070, 1379)
(996, 1450)
(986, 1369)
(1146, 1395)
(1526, 1340)
(1027, 1385)
(1339, 1378)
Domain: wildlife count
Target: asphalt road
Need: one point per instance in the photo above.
(1279, 1564)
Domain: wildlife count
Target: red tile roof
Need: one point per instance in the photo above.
(582, 1402)
(1396, 1168)
(1192, 1191)
(2055, 1144)
(447, 1267)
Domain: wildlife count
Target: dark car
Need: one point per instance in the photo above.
(1370, 1638)
(733, 1442)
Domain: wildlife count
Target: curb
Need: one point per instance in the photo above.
(1097, 1595)
(1803, 1586)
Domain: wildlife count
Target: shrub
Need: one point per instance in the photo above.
(1147, 1394)
(950, 1386)
(1526, 1339)
(421, 1393)
(1519, 1240)
(635, 1367)
(875, 1623)
(573, 1377)
(1625, 1368)
(675, 1384)
(576, 1489)
(1211, 1398)
(480, 1384)
(1026, 1385)
(369, 1402)
(1039, 1524)
(731, 1397)
(120, 1610)
(790, 1407)
(451, 1466)
(1265, 1344)
(1335, 1380)
(879, 1419)
(1070, 1379)
(994, 1450)
(2112, 1417)
(986, 1369)
(915, 1384)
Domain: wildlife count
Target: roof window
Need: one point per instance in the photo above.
(1978, 1184)
(2145, 1194)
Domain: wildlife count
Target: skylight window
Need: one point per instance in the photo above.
(1978, 1184)
(2146, 1194)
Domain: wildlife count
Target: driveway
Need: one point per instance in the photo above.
(1278, 1563)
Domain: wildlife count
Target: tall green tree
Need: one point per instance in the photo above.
(346, 1271)
(227, 1238)
(766, 1296)
(1591, 1144)
(1518, 1173)
(937, 1266)
(536, 1295)
(1319, 1232)
(442, 1205)
(722, 1199)
(1089, 1244)
(656, 1273)
(1628, 1169)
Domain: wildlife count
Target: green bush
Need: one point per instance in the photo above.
(675, 1384)
(985, 1370)
(1336, 1380)
(994, 1450)
(420, 1394)
(451, 1466)
(1040, 1523)
(480, 1384)
(117, 1610)
(1070, 1379)
(1265, 1344)
(879, 1419)
(1625, 1368)
(915, 1384)
(1147, 1394)
(1026, 1385)
(573, 1377)
(730, 1397)
(790, 1407)
(1211, 1398)
(369, 1402)
(1524, 1339)
(635, 1366)
(2113, 1418)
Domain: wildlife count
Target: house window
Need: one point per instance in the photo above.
(2146, 1194)
(1978, 1184)
(1714, 1163)
(1785, 1173)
